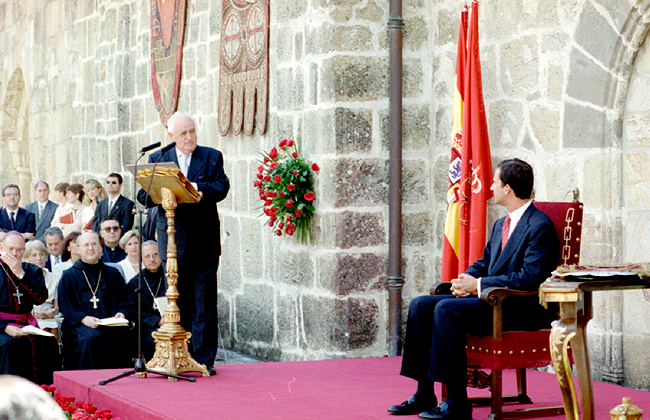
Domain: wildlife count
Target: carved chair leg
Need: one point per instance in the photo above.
(497, 394)
(522, 389)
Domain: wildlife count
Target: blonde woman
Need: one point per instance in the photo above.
(130, 243)
(36, 253)
(94, 193)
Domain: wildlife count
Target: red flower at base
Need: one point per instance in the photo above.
(291, 187)
(294, 155)
(289, 203)
(315, 167)
(310, 196)
(277, 179)
(274, 153)
(298, 212)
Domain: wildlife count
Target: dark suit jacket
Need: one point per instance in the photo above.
(197, 224)
(530, 255)
(45, 220)
(25, 221)
(122, 211)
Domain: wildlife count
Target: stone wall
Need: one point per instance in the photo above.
(564, 86)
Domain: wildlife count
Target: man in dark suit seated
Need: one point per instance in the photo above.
(16, 218)
(110, 233)
(520, 254)
(42, 208)
(115, 206)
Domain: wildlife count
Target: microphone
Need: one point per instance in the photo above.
(150, 147)
(167, 148)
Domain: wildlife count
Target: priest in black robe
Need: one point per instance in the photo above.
(21, 287)
(90, 291)
(154, 283)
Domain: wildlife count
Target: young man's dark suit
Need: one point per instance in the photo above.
(122, 211)
(43, 222)
(25, 221)
(198, 247)
(435, 334)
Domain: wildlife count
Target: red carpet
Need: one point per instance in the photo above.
(328, 389)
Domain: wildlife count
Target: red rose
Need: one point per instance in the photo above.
(295, 172)
(277, 179)
(289, 143)
(278, 232)
(271, 223)
(298, 212)
(260, 168)
(275, 209)
(291, 187)
(260, 176)
(268, 202)
(271, 194)
(310, 196)
(283, 144)
(290, 232)
(273, 165)
(294, 155)
(289, 218)
(289, 203)
(266, 160)
(257, 183)
(281, 225)
(281, 194)
(274, 153)
(315, 167)
(290, 226)
(267, 177)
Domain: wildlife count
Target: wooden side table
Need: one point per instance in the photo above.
(575, 300)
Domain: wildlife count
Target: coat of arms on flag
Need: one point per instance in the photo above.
(244, 72)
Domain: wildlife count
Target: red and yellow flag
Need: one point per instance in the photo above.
(470, 167)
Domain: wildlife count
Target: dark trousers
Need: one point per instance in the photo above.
(32, 357)
(434, 346)
(96, 348)
(197, 286)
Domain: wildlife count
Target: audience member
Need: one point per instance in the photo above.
(115, 206)
(60, 191)
(154, 284)
(36, 253)
(110, 233)
(89, 292)
(130, 243)
(69, 256)
(42, 208)
(16, 218)
(94, 193)
(79, 215)
(54, 243)
(23, 400)
(21, 287)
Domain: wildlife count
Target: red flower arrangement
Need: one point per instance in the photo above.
(285, 184)
(78, 410)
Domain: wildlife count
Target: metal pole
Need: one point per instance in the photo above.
(395, 279)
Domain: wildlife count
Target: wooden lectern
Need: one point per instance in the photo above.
(170, 187)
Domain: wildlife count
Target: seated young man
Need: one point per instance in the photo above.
(520, 254)
(88, 292)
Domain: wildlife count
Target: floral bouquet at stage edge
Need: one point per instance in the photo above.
(286, 186)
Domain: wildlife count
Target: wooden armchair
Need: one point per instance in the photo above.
(517, 349)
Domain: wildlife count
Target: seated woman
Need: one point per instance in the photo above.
(78, 216)
(130, 243)
(69, 256)
(36, 253)
(94, 194)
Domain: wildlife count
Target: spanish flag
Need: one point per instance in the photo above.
(470, 167)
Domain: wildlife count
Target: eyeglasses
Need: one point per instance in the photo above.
(89, 244)
(111, 182)
(113, 228)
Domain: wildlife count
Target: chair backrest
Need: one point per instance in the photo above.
(567, 218)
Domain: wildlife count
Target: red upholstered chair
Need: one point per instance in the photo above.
(518, 349)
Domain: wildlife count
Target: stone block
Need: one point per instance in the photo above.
(353, 130)
(372, 12)
(281, 45)
(587, 80)
(637, 133)
(507, 13)
(415, 181)
(356, 324)
(554, 82)
(637, 180)
(596, 36)
(417, 228)
(317, 314)
(230, 262)
(423, 272)
(412, 78)
(545, 123)
(637, 228)
(327, 271)
(584, 127)
(287, 315)
(519, 67)
(361, 182)
(88, 80)
(416, 33)
(298, 46)
(637, 100)
(596, 190)
(123, 117)
(489, 72)
(124, 28)
(215, 19)
(443, 123)
(254, 313)
(358, 273)
(296, 266)
(636, 361)
(539, 14)
(285, 11)
(290, 88)
(354, 78)
(356, 229)
(345, 38)
(505, 123)
(109, 25)
(637, 305)
(189, 64)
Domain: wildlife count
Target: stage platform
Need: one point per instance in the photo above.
(341, 389)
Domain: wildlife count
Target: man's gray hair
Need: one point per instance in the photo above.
(171, 122)
(149, 243)
(89, 232)
(54, 231)
(39, 183)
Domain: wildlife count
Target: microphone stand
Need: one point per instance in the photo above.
(140, 364)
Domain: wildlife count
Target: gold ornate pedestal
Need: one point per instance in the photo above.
(172, 355)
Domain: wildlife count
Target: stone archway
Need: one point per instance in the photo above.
(600, 88)
(15, 133)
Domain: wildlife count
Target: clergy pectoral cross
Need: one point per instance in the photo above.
(94, 300)
(18, 295)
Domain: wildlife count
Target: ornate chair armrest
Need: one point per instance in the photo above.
(440, 288)
(495, 295)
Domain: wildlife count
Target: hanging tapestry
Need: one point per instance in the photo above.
(167, 29)
(244, 75)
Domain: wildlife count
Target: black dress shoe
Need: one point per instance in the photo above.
(411, 406)
(211, 370)
(443, 411)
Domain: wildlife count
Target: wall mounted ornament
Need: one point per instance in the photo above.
(244, 74)
(167, 30)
